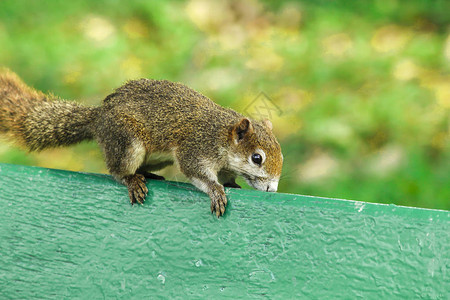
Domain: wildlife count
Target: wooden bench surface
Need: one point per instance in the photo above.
(75, 235)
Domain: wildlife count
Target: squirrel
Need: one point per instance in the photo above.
(144, 126)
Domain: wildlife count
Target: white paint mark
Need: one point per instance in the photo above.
(161, 278)
(199, 263)
(360, 206)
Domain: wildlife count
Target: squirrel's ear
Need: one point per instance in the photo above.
(241, 129)
(268, 124)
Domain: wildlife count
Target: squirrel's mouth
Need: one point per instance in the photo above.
(261, 184)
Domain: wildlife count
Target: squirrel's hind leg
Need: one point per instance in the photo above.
(123, 161)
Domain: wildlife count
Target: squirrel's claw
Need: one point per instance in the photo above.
(137, 190)
(218, 204)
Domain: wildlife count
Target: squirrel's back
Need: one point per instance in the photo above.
(170, 112)
(171, 101)
(160, 93)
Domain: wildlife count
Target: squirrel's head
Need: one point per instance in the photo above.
(255, 154)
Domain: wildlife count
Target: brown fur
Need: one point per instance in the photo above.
(209, 143)
(37, 121)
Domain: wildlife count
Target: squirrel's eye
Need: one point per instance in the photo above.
(256, 158)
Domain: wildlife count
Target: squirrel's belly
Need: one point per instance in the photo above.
(159, 157)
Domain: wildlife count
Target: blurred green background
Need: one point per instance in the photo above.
(358, 91)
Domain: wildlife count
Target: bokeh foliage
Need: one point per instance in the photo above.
(362, 87)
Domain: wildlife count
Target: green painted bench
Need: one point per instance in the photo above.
(75, 235)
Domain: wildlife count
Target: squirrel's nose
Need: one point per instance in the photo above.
(272, 186)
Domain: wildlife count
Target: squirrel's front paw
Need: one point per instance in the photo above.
(137, 190)
(218, 202)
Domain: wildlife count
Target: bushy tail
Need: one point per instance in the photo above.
(38, 121)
